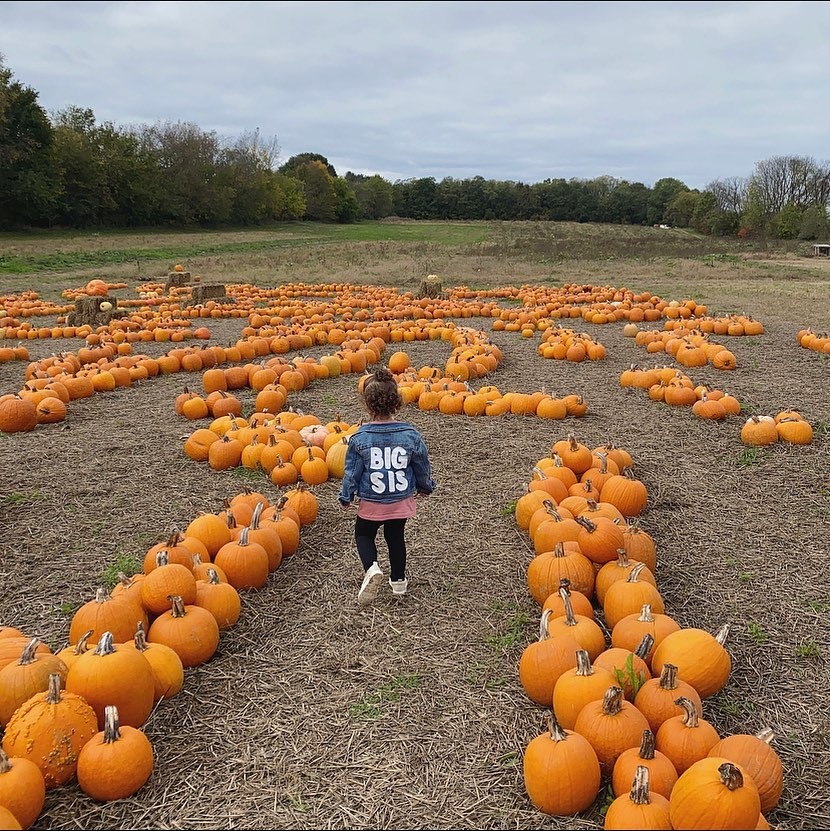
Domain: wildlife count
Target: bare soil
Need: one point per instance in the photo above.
(319, 713)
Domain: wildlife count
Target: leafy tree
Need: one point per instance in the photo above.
(301, 160)
(28, 185)
(373, 194)
(347, 207)
(680, 210)
(416, 198)
(814, 224)
(626, 204)
(318, 187)
(286, 200)
(705, 213)
(188, 186)
(662, 194)
(788, 222)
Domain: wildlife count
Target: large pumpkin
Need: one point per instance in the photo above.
(561, 772)
(50, 729)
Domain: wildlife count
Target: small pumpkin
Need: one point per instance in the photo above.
(114, 674)
(686, 738)
(611, 724)
(755, 754)
(662, 773)
(22, 789)
(116, 762)
(561, 771)
(714, 793)
(543, 661)
(700, 657)
(640, 808)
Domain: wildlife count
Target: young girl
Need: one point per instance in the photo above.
(386, 466)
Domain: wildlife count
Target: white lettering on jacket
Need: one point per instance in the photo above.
(387, 466)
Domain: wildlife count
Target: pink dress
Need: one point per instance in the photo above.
(381, 511)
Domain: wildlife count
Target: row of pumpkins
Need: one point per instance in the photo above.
(631, 712)
(78, 713)
(675, 388)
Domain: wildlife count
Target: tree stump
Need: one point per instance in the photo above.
(431, 286)
(89, 311)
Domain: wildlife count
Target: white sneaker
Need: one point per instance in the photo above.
(371, 584)
(399, 586)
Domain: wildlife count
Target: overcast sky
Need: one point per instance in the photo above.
(519, 91)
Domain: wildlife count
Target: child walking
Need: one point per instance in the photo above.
(387, 465)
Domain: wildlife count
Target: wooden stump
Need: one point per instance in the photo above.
(88, 311)
(431, 286)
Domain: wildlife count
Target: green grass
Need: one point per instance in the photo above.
(822, 607)
(749, 456)
(180, 246)
(21, 497)
(513, 629)
(509, 509)
(129, 564)
(809, 650)
(371, 708)
(757, 633)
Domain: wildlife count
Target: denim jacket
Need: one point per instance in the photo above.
(386, 462)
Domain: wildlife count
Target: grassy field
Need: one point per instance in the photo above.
(318, 713)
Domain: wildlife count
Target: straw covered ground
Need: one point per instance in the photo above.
(319, 713)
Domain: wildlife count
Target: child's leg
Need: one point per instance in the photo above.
(365, 532)
(393, 534)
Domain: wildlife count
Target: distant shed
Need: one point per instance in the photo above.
(821, 249)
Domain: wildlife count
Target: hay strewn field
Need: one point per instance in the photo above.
(318, 713)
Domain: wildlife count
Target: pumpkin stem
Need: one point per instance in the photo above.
(544, 634)
(668, 677)
(647, 745)
(256, 516)
(111, 731)
(723, 634)
(105, 646)
(243, 537)
(645, 614)
(622, 558)
(644, 647)
(162, 558)
(5, 765)
(125, 581)
(639, 789)
(28, 654)
(612, 701)
(731, 776)
(690, 717)
(83, 643)
(565, 594)
(557, 733)
(213, 577)
(53, 691)
(634, 574)
(583, 663)
(177, 607)
(766, 735)
(140, 638)
(101, 595)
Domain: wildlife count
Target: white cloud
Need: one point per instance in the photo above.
(521, 91)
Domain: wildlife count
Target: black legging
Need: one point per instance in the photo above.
(365, 534)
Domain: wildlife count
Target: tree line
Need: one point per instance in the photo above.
(65, 170)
